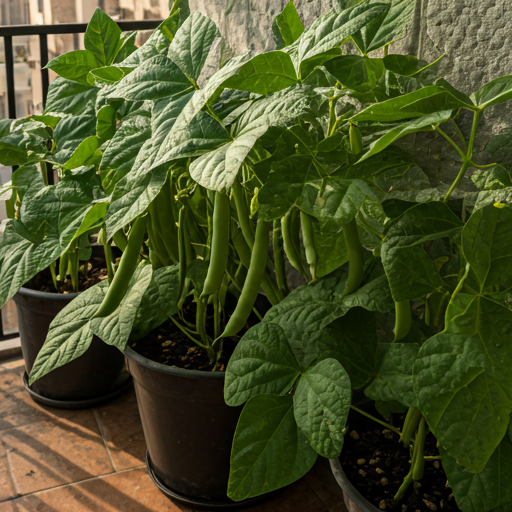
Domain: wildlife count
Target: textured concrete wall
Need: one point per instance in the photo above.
(474, 35)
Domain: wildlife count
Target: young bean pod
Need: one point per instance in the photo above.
(63, 266)
(309, 242)
(291, 239)
(356, 140)
(279, 262)
(403, 319)
(220, 245)
(252, 283)
(411, 422)
(127, 266)
(355, 256)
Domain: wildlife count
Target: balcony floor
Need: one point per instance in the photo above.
(93, 460)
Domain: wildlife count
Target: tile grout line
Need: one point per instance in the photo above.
(35, 493)
(17, 488)
(96, 417)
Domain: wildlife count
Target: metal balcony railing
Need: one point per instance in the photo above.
(8, 32)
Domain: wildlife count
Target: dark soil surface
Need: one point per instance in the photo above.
(168, 345)
(91, 272)
(376, 463)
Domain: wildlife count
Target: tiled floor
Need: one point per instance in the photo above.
(93, 460)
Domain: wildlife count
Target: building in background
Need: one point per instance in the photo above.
(49, 12)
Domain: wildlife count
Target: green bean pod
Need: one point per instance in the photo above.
(418, 466)
(252, 282)
(73, 268)
(309, 242)
(403, 319)
(220, 245)
(244, 254)
(290, 227)
(63, 266)
(410, 424)
(355, 256)
(243, 213)
(127, 266)
(120, 240)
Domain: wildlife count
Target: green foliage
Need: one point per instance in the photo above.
(143, 143)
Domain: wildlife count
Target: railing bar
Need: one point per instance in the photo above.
(71, 28)
(9, 73)
(43, 55)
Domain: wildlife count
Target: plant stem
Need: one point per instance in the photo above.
(467, 160)
(461, 136)
(186, 332)
(383, 423)
(452, 143)
(107, 249)
(44, 172)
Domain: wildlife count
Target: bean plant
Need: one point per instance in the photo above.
(194, 176)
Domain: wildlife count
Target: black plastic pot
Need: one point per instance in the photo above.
(353, 499)
(188, 429)
(96, 376)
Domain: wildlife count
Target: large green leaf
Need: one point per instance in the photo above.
(321, 41)
(487, 246)
(386, 28)
(485, 491)
(496, 91)
(116, 328)
(358, 73)
(69, 97)
(72, 330)
(428, 100)
(191, 45)
(352, 341)
(203, 134)
(262, 363)
(463, 380)
(269, 450)
(265, 73)
(120, 154)
(321, 406)
(74, 65)
(426, 123)
(134, 192)
(69, 134)
(411, 272)
(159, 302)
(395, 379)
(70, 334)
(103, 38)
(24, 145)
(202, 96)
(156, 78)
(24, 254)
(288, 26)
(218, 169)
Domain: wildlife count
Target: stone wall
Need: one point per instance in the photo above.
(474, 35)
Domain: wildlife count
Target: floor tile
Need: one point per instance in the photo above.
(18, 409)
(7, 506)
(7, 489)
(322, 481)
(55, 452)
(122, 430)
(129, 491)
